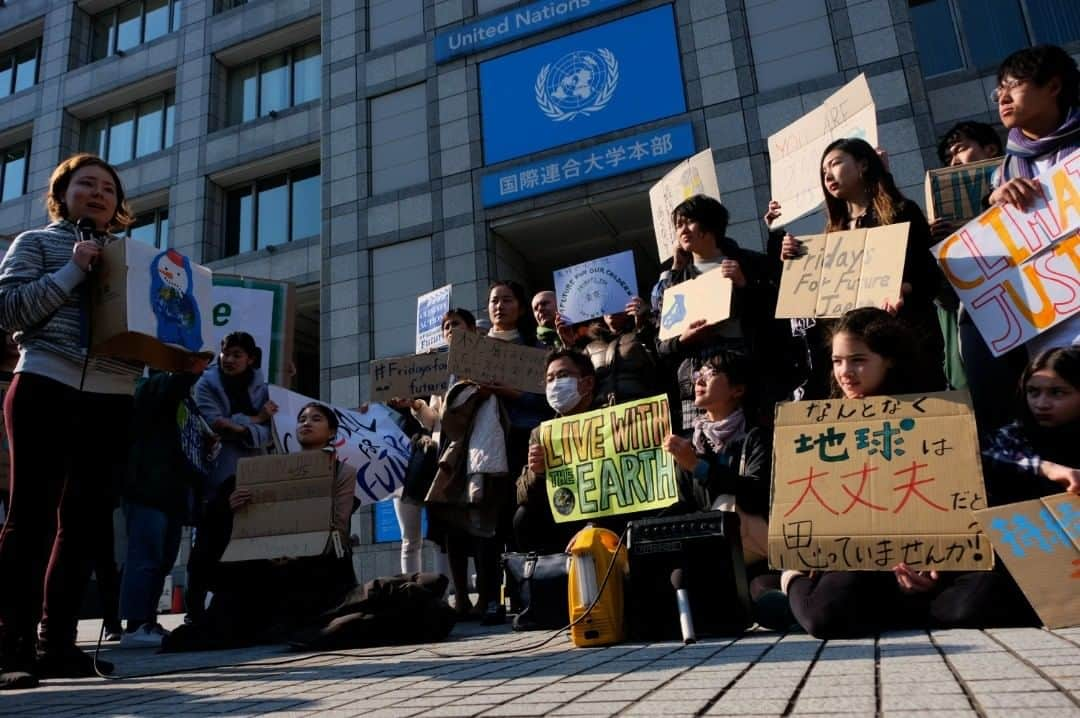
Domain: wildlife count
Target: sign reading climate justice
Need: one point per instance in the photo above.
(504, 27)
(630, 154)
(610, 461)
(1018, 272)
(581, 85)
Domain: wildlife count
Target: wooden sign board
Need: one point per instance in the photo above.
(841, 271)
(409, 377)
(865, 484)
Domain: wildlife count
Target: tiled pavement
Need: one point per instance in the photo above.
(493, 672)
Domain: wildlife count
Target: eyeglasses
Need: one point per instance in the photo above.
(702, 376)
(1005, 87)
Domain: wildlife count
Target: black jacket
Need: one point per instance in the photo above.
(742, 469)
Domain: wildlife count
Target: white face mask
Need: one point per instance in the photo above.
(562, 394)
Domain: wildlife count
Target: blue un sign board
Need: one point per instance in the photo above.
(618, 75)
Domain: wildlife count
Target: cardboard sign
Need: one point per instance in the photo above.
(150, 305)
(1018, 273)
(956, 193)
(1039, 541)
(409, 377)
(371, 442)
(795, 151)
(595, 288)
(705, 297)
(430, 310)
(610, 461)
(696, 175)
(841, 271)
(265, 309)
(864, 484)
(488, 361)
(292, 497)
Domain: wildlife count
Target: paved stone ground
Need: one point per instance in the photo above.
(494, 672)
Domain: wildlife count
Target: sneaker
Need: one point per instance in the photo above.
(148, 635)
(113, 633)
(70, 662)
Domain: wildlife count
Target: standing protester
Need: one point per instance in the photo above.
(233, 398)
(58, 390)
(544, 309)
(1037, 100)
(622, 348)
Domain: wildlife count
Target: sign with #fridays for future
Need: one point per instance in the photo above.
(610, 461)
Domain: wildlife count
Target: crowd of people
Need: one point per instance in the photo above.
(478, 465)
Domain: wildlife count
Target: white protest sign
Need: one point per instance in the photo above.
(707, 297)
(430, 310)
(696, 175)
(371, 442)
(595, 288)
(1018, 272)
(795, 151)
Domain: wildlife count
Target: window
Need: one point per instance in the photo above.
(954, 34)
(129, 25)
(224, 5)
(790, 40)
(275, 82)
(151, 227)
(18, 68)
(132, 131)
(13, 171)
(399, 139)
(273, 210)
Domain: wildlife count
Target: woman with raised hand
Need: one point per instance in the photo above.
(59, 391)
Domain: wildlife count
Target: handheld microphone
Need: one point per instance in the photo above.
(87, 232)
(682, 600)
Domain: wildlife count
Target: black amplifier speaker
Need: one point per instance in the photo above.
(707, 547)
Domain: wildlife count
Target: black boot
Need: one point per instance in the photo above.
(18, 669)
(70, 662)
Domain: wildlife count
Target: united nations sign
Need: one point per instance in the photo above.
(608, 78)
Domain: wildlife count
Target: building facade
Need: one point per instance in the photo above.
(371, 150)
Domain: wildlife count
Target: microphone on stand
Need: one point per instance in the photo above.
(87, 232)
(682, 600)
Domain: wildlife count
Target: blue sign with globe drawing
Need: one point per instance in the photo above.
(614, 76)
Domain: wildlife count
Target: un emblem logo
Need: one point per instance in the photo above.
(579, 83)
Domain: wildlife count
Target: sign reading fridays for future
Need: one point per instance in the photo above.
(1018, 272)
(610, 461)
(370, 442)
(595, 288)
(795, 151)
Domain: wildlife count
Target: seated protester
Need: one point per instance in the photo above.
(162, 476)
(622, 349)
(1037, 99)
(968, 361)
(726, 462)
(873, 353)
(700, 224)
(264, 601)
(1035, 456)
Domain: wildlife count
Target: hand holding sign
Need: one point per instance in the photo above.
(696, 303)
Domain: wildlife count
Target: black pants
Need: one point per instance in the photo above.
(212, 535)
(65, 447)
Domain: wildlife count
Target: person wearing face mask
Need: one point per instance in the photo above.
(60, 491)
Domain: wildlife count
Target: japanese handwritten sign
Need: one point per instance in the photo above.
(291, 499)
(371, 442)
(1018, 273)
(487, 361)
(864, 484)
(407, 377)
(705, 297)
(956, 193)
(843, 270)
(696, 175)
(610, 461)
(795, 151)
(1039, 541)
(595, 288)
(609, 159)
(430, 310)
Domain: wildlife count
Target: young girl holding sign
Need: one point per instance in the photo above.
(859, 194)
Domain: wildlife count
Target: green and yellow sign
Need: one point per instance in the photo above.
(610, 461)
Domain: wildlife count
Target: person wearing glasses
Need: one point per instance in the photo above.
(1036, 97)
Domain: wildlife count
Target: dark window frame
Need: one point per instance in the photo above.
(290, 68)
(25, 146)
(108, 116)
(292, 176)
(11, 55)
(157, 215)
(175, 18)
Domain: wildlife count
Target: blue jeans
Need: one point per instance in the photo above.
(153, 542)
